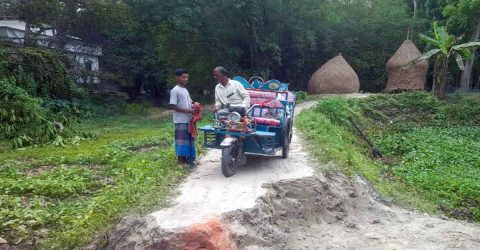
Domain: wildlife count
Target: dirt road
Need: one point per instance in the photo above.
(275, 203)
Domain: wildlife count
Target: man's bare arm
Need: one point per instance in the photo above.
(182, 110)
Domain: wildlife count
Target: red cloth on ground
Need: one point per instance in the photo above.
(197, 116)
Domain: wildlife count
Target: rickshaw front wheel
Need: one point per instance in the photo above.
(230, 160)
(285, 147)
(286, 138)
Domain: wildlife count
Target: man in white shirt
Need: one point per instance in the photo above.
(229, 92)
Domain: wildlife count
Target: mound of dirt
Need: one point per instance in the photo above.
(333, 211)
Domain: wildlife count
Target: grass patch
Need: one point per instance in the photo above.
(433, 146)
(330, 142)
(64, 197)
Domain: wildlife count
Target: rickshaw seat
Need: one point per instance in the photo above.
(266, 121)
(269, 106)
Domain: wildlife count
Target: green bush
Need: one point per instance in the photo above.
(300, 96)
(40, 72)
(22, 118)
(73, 110)
(462, 109)
(336, 109)
(27, 120)
(417, 107)
(107, 105)
(39, 101)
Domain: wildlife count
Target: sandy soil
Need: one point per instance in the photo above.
(275, 203)
(332, 211)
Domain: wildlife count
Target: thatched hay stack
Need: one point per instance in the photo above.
(412, 78)
(334, 77)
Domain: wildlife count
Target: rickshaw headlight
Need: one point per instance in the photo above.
(234, 116)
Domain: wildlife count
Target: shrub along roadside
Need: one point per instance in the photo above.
(39, 101)
(433, 144)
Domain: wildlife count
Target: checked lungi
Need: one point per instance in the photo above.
(184, 143)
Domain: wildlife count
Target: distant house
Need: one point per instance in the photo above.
(83, 58)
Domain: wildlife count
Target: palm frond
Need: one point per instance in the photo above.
(429, 40)
(469, 45)
(425, 56)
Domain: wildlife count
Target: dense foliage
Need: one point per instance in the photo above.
(432, 145)
(40, 72)
(143, 41)
(38, 99)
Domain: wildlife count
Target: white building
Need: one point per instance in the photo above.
(83, 57)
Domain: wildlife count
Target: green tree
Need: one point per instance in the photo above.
(464, 17)
(367, 34)
(284, 39)
(445, 48)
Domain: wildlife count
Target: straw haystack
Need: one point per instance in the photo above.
(334, 77)
(410, 78)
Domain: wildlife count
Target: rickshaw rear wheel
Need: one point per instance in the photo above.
(229, 160)
(291, 131)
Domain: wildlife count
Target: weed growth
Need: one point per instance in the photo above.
(433, 144)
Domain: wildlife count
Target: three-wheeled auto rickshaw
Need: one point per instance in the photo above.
(265, 128)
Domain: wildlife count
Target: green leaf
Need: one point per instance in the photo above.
(427, 55)
(466, 53)
(469, 45)
(448, 43)
(436, 31)
(429, 40)
(420, 58)
(441, 34)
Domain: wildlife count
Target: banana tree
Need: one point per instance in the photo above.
(444, 48)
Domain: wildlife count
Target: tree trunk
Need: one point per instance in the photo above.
(28, 40)
(467, 73)
(478, 81)
(415, 5)
(253, 44)
(441, 77)
(410, 29)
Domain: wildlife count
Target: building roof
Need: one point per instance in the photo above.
(75, 45)
(20, 25)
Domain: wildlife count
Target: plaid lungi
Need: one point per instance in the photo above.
(184, 143)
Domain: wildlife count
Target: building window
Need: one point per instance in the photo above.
(88, 64)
